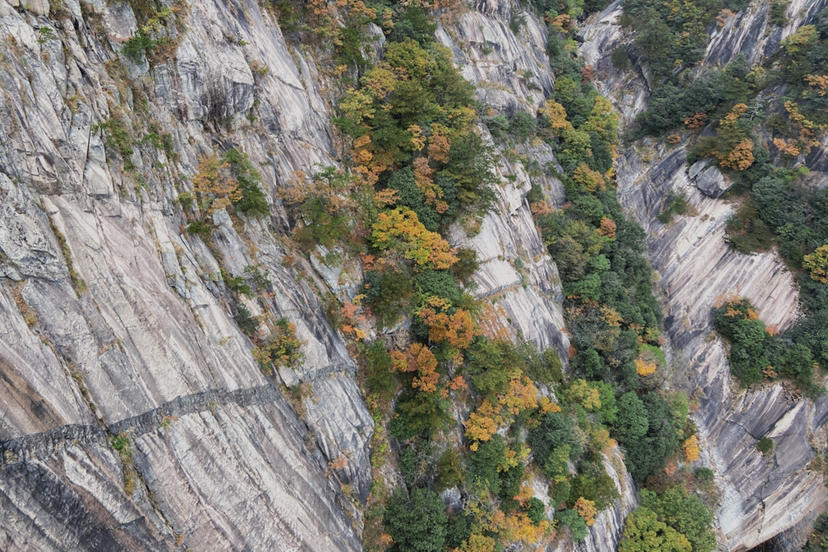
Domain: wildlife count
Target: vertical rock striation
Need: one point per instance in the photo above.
(115, 320)
(511, 72)
(761, 496)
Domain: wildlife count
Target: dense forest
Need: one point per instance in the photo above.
(417, 167)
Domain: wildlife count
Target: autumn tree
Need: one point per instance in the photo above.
(590, 180)
(418, 358)
(734, 149)
(584, 394)
(457, 329)
(586, 509)
(691, 448)
(215, 185)
(555, 117)
(400, 230)
(482, 423)
(479, 543)
(643, 532)
(817, 263)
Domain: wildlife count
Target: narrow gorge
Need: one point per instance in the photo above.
(376, 275)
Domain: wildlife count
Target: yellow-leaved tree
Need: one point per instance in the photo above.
(400, 230)
(817, 263)
(215, 185)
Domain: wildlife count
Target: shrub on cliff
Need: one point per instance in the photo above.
(417, 520)
(644, 532)
(685, 513)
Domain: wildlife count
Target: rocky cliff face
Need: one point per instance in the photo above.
(761, 497)
(116, 321)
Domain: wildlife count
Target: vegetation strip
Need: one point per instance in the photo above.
(418, 166)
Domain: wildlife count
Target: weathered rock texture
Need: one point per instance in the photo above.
(512, 73)
(144, 342)
(113, 320)
(761, 496)
(117, 321)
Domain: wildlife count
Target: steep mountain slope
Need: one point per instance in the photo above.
(760, 497)
(127, 326)
(137, 417)
(135, 411)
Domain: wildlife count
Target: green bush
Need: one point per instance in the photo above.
(466, 265)
(545, 367)
(413, 463)
(765, 445)
(379, 379)
(593, 483)
(535, 510)
(575, 523)
(522, 126)
(713, 93)
(119, 138)
(778, 17)
(510, 487)
(201, 228)
(246, 323)
(818, 540)
(438, 283)
(490, 373)
(414, 23)
(704, 475)
(418, 414)
(644, 532)
(748, 339)
(685, 513)
(253, 201)
(588, 363)
(458, 530)
(676, 204)
(321, 227)
(412, 197)
(449, 470)
(561, 491)
(747, 232)
(631, 423)
(484, 461)
(388, 294)
(555, 430)
(648, 429)
(417, 521)
(139, 45)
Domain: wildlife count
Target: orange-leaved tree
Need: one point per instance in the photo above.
(457, 329)
(400, 230)
(215, 185)
(418, 358)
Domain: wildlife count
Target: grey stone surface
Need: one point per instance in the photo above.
(137, 335)
(709, 180)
